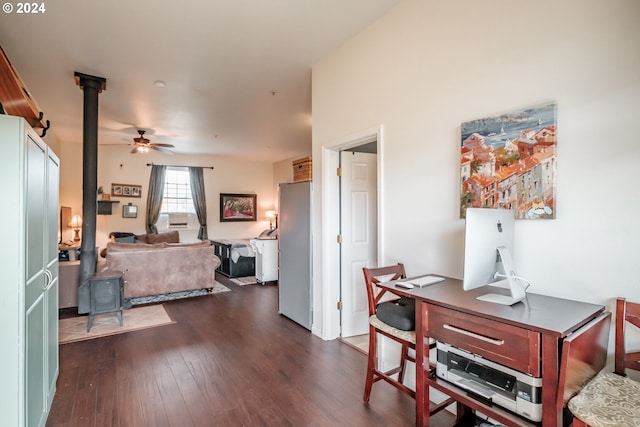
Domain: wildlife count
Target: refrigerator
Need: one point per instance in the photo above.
(294, 237)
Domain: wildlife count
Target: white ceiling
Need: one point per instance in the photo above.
(237, 72)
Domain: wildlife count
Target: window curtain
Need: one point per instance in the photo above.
(154, 198)
(199, 201)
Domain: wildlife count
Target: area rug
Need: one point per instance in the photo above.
(217, 288)
(241, 281)
(74, 329)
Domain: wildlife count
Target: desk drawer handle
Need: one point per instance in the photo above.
(473, 335)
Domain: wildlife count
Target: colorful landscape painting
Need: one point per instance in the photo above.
(509, 161)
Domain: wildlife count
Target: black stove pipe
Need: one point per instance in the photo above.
(92, 86)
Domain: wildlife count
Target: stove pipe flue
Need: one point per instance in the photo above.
(92, 86)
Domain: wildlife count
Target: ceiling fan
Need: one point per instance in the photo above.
(143, 145)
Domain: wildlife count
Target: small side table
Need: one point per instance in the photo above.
(106, 290)
(68, 282)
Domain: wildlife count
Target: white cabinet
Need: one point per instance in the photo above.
(29, 172)
(266, 259)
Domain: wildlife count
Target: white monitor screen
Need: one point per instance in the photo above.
(485, 231)
(488, 245)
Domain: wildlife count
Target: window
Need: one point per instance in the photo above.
(177, 211)
(177, 192)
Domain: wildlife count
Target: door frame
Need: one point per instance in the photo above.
(331, 254)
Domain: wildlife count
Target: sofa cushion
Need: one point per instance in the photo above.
(120, 237)
(114, 235)
(141, 238)
(133, 247)
(189, 245)
(168, 237)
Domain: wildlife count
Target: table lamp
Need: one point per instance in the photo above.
(272, 214)
(76, 223)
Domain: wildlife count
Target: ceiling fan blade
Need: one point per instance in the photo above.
(161, 145)
(162, 150)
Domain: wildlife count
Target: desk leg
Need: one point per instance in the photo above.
(422, 360)
(551, 417)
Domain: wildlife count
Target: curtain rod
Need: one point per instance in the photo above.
(180, 166)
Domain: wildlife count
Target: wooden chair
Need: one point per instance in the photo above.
(406, 338)
(612, 399)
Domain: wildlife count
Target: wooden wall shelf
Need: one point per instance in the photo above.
(15, 98)
(104, 206)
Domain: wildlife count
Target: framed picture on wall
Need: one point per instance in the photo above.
(130, 211)
(126, 190)
(237, 207)
(508, 161)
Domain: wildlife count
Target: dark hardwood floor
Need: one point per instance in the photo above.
(229, 360)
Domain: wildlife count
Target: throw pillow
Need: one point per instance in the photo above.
(127, 239)
(169, 237)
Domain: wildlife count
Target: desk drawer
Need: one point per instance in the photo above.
(508, 345)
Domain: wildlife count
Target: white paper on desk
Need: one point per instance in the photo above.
(426, 280)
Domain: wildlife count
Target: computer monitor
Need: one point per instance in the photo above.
(488, 259)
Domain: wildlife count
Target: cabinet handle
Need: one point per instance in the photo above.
(473, 335)
(49, 278)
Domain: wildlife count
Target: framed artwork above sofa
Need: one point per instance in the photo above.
(237, 207)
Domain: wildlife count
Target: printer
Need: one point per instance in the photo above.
(490, 382)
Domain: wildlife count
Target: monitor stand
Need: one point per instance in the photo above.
(517, 289)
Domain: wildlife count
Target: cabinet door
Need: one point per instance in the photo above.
(51, 292)
(36, 281)
(35, 364)
(51, 343)
(35, 211)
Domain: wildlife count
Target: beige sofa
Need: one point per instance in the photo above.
(160, 268)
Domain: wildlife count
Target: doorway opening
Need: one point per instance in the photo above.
(340, 268)
(359, 233)
(358, 219)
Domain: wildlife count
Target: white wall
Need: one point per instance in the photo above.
(70, 181)
(429, 65)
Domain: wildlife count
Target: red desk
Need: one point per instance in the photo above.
(532, 333)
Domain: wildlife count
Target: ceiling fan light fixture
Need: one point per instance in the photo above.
(143, 145)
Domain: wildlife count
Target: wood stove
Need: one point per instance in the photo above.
(106, 294)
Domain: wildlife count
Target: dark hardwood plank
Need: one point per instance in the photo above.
(229, 360)
(128, 399)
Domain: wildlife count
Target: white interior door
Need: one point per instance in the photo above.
(359, 225)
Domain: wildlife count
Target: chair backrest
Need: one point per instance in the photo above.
(584, 354)
(626, 312)
(372, 276)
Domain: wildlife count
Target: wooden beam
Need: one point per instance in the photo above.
(15, 98)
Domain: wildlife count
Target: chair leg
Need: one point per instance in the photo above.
(371, 364)
(463, 413)
(403, 362)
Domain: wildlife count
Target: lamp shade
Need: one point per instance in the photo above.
(271, 214)
(76, 221)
